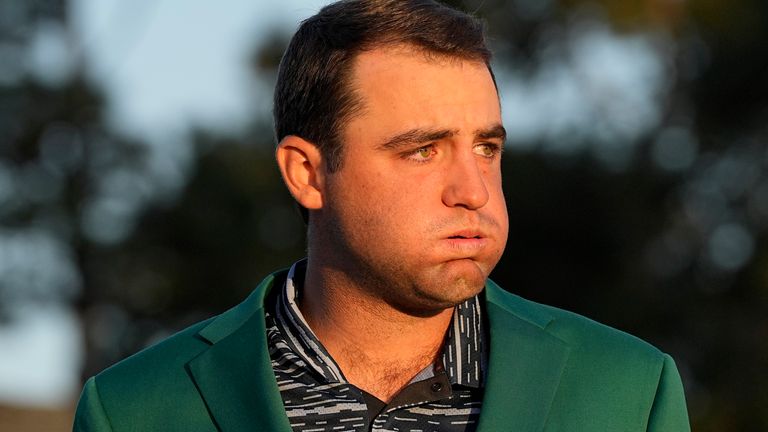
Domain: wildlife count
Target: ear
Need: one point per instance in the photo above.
(301, 165)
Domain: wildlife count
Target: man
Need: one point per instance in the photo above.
(389, 137)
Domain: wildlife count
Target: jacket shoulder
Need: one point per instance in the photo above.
(577, 331)
(153, 386)
(156, 361)
(607, 370)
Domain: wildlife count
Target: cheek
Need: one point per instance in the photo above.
(389, 190)
(391, 215)
(501, 206)
(498, 210)
(366, 204)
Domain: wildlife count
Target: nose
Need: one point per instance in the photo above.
(465, 184)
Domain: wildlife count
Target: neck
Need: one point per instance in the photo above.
(378, 347)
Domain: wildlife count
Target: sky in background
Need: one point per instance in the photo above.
(164, 64)
(168, 64)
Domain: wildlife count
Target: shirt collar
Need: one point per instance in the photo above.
(464, 354)
(299, 337)
(464, 357)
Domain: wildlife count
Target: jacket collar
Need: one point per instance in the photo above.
(525, 366)
(234, 375)
(236, 380)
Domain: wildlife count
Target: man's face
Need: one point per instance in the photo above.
(416, 214)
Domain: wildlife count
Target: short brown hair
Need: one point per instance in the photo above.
(313, 97)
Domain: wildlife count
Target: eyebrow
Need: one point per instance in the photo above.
(496, 131)
(420, 136)
(415, 136)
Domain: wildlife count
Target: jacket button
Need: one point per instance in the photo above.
(436, 387)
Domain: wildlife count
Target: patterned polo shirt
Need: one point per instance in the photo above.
(446, 396)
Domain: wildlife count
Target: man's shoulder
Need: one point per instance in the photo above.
(174, 352)
(160, 375)
(583, 335)
(154, 377)
(159, 388)
(147, 388)
(599, 378)
(606, 379)
(156, 360)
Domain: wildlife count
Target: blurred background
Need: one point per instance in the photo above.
(138, 192)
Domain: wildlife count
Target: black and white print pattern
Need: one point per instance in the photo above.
(317, 397)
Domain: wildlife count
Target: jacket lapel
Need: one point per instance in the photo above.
(236, 380)
(234, 375)
(525, 365)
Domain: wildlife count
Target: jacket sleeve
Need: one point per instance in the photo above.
(90, 415)
(669, 412)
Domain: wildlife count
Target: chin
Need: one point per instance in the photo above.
(440, 293)
(427, 289)
(463, 275)
(462, 289)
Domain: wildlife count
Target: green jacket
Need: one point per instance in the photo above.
(549, 370)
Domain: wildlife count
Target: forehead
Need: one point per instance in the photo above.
(401, 87)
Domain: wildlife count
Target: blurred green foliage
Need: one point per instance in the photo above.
(678, 257)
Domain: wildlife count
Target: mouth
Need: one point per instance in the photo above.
(466, 235)
(466, 244)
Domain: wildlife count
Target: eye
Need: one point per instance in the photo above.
(487, 150)
(421, 154)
